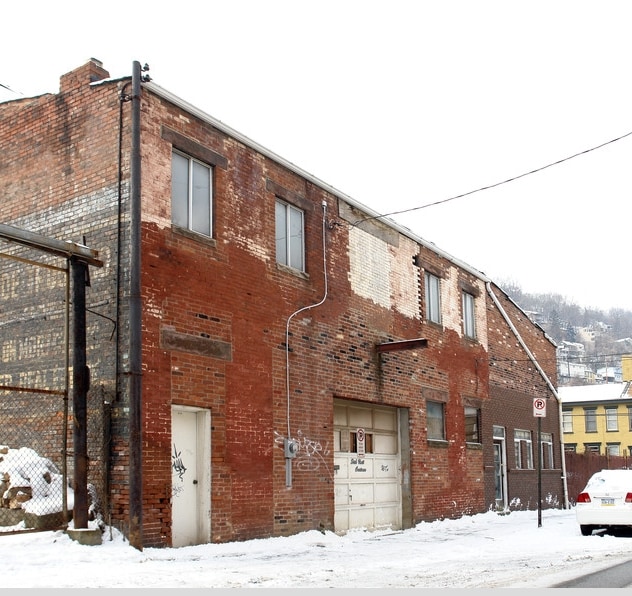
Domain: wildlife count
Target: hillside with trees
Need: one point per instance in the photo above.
(605, 335)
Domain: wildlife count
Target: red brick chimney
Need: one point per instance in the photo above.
(90, 72)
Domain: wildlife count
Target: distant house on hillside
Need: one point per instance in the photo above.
(570, 365)
(609, 374)
(597, 418)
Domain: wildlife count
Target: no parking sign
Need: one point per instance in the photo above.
(539, 407)
(360, 446)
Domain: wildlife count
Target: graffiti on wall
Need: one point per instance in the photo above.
(311, 454)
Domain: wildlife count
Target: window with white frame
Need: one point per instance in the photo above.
(472, 424)
(524, 449)
(590, 420)
(612, 422)
(435, 420)
(567, 421)
(433, 297)
(290, 236)
(546, 451)
(469, 328)
(191, 194)
(629, 418)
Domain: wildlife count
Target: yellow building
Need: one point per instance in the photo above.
(597, 418)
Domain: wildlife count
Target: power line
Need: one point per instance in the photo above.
(7, 88)
(471, 192)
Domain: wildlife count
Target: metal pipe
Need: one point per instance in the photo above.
(288, 441)
(135, 326)
(64, 440)
(80, 384)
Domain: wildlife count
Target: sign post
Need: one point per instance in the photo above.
(539, 411)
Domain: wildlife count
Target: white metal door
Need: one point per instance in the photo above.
(190, 476)
(367, 481)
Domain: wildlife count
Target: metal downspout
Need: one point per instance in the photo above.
(546, 379)
(135, 326)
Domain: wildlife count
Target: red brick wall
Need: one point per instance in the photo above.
(229, 292)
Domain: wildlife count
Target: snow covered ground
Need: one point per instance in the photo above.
(481, 551)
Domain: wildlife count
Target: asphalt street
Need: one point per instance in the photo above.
(618, 576)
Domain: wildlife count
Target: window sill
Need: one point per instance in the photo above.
(292, 271)
(438, 443)
(194, 235)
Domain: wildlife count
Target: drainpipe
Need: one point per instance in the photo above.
(546, 379)
(135, 327)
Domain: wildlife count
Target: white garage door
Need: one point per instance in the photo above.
(366, 467)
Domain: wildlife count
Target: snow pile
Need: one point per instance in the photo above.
(31, 482)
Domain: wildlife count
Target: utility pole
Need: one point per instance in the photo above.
(80, 386)
(135, 327)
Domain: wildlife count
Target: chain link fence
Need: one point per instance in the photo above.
(36, 418)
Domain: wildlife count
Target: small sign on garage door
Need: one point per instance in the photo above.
(360, 440)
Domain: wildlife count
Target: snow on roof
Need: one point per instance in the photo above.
(594, 393)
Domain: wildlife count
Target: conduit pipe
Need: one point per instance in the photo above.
(288, 461)
(543, 375)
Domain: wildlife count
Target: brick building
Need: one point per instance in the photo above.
(267, 355)
(523, 369)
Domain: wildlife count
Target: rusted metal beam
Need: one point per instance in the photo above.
(32, 390)
(51, 245)
(406, 344)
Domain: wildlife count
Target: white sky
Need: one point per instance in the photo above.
(481, 551)
(400, 105)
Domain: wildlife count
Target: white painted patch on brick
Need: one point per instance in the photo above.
(405, 278)
(369, 267)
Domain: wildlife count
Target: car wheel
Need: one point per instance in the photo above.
(586, 530)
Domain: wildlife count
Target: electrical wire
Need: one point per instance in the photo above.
(9, 89)
(585, 359)
(471, 192)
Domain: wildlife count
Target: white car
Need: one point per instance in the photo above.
(606, 502)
